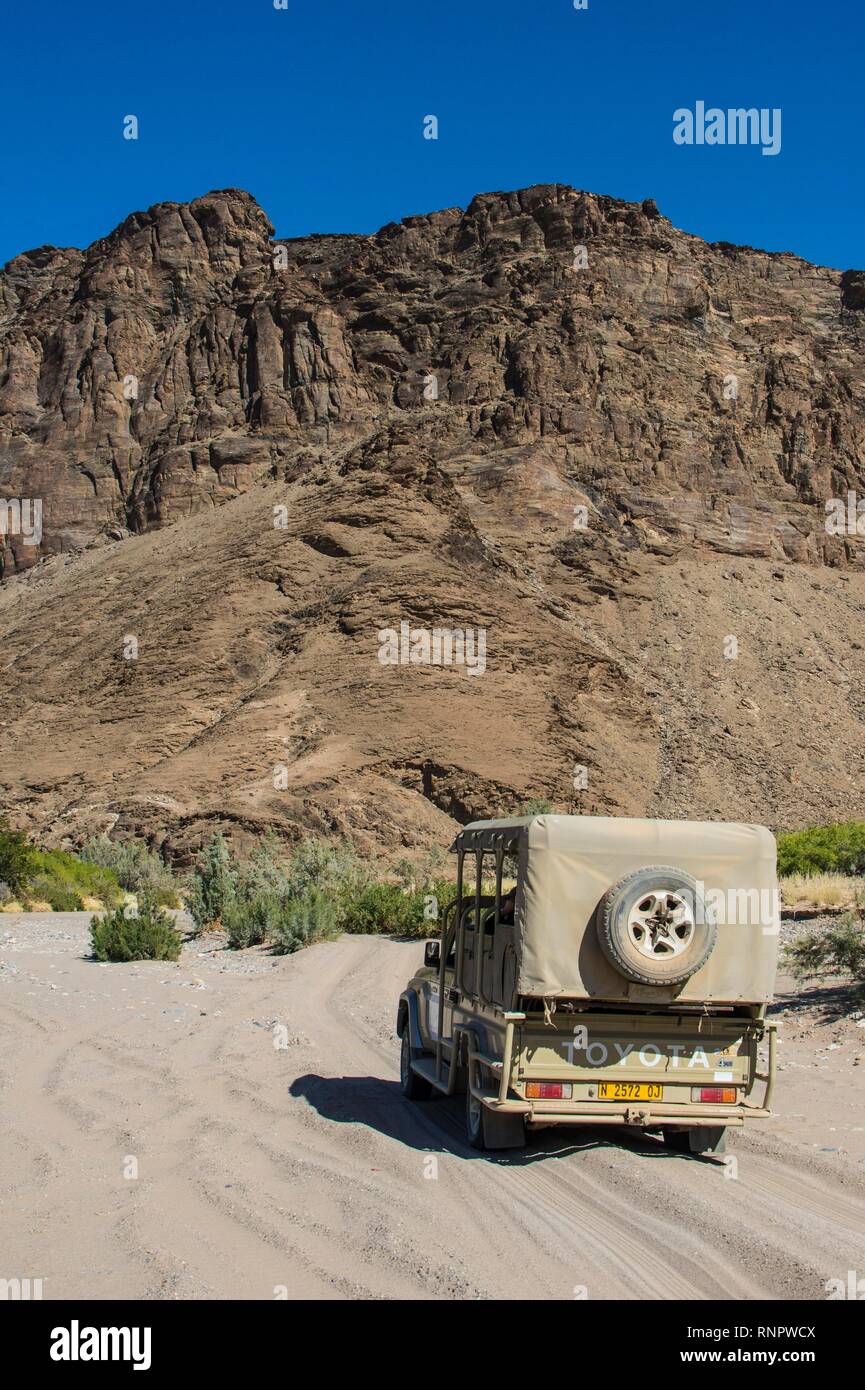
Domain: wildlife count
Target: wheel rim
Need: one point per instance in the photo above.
(661, 924)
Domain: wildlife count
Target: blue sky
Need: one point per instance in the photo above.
(317, 110)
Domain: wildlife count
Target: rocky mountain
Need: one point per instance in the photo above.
(552, 417)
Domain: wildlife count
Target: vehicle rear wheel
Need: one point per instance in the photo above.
(413, 1086)
(699, 1139)
(488, 1131)
(474, 1120)
(653, 926)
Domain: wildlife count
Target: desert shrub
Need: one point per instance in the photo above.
(289, 923)
(288, 899)
(407, 874)
(838, 950)
(333, 869)
(136, 867)
(6, 894)
(53, 876)
(266, 872)
(380, 907)
(829, 890)
(391, 909)
(823, 849)
(44, 889)
(150, 935)
(536, 806)
(245, 898)
(312, 892)
(316, 867)
(16, 857)
(213, 889)
(437, 862)
(251, 921)
(56, 876)
(413, 875)
(311, 917)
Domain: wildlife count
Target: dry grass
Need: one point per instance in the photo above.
(825, 890)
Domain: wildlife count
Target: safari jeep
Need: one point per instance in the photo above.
(624, 981)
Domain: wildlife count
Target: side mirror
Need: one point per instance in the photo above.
(432, 953)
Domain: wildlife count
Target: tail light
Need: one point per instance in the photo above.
(548, 1090)
(718, 1095)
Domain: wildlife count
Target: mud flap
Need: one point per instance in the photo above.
(503, 1131)
(708, 1139)
(699, 1139)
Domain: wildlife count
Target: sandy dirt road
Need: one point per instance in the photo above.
(156, 1143)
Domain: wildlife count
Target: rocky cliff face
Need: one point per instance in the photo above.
(707, 393)
(552, 416)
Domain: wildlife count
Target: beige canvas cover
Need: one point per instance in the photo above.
(568, 863)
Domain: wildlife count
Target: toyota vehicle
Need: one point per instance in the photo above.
(600, 971)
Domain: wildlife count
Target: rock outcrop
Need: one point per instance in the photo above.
(552, 416)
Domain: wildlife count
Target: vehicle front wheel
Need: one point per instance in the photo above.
(412, 1086)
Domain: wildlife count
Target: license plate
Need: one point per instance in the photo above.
(629, 1090)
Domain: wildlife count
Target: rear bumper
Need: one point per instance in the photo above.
(654, 1116)
(642, 1115)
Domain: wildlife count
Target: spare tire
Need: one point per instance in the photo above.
(653, 927)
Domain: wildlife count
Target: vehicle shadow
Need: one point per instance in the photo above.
(438, 1126)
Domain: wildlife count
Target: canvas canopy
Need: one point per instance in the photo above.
(567, 863)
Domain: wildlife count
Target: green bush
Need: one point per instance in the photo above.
(390, 909)
(251, 921)
(52, 875)
(148, 936)
(313, 892)
(62, 876)
(136, 867)
(264, 871)
(310, 872)
(415, 875)
(380, 907)
(16, 857)
(331, 869)
(288, 924)
(44, 889)
(316, 863)
(823, 849)
(839, 950)
(214, 885)
(312, 917)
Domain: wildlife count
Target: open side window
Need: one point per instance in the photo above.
(485, 932)
(449, 936)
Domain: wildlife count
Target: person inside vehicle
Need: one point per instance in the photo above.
(507, 907)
